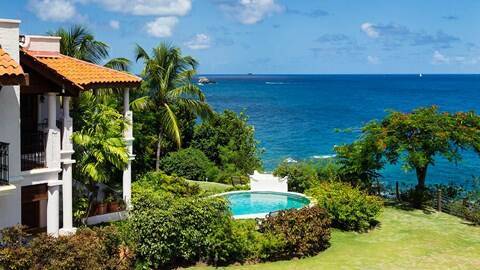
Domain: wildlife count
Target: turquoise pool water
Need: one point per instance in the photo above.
(253, 203)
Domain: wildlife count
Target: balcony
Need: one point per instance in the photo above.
(33, 150)
(4, 163)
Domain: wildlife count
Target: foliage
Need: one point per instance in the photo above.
(99, 144)
(252, 245)
(80, 43)
(160, 182)
(172, 231)
(328, 169)
(189, 163)
(14, 252)
(418, 197)
(348, 207)
(301, 176)
(416, 138)
(168, 79)
(100, 248)
(228, 140)
(305, 232)
(145, 132)
(360, 162)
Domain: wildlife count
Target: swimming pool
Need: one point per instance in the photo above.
(253, 204)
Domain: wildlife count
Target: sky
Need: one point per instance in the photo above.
(277, 36)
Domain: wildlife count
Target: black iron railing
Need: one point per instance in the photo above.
(4, 163)
(33, 150)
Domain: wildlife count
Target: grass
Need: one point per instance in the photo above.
(404, 240)
(212, 187)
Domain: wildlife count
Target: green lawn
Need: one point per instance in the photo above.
(404, 240)
(211, 186)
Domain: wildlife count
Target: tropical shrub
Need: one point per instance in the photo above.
(100, 248)
(14, 252)
(305, 232)
(328, 169)
(189, 163)
(253, 245)
(160, 182)
(348, 207)
(174, 231)
(229, 142)
(301, 176)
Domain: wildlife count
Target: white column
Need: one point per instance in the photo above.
(52, 110)
(67, 151)
(128, 136)
(53, 137)
(53, 210)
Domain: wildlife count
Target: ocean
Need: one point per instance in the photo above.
(298, 116)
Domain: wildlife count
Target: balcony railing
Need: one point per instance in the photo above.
(33, 150)
(3, 163)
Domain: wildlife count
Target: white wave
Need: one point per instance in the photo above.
(324, 156)
(290, 160)
(274, 83)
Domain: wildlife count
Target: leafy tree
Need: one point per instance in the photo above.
(301, 176)
(359, 162)
(80, 43)
(99, 145)
(228, 141)
(415, 139)
(168, 80)
(190, 163)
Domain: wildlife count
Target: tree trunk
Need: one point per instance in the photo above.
(159, 151)
(421, 175)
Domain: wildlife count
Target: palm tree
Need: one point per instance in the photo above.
(80, 43)
(99, 144)
(168, 79)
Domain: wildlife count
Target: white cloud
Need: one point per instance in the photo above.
(370, 30)
(149, 7)
(374, 60)
(252, 11)
(439, 58)
(114, 24)
(53, 10)
(162, 26)
(199, 42)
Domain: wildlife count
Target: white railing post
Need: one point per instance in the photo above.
(67, 152)
(128, 136)
(53, 210)
(52, 150)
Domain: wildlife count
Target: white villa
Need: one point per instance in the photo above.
(37, 84)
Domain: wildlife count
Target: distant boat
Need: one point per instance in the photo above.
(250, 74)
(205, 80)
(420, 75)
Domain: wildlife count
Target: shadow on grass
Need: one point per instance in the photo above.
(405, 206)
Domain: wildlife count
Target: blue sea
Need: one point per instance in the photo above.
(297, 116)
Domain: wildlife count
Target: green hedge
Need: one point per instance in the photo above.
(98, 248)
(160, 182)
(348, 207)
(190, 163)
(174, 231)
(305, 232)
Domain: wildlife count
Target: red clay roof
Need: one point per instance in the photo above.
(83, 74)
(11, 73)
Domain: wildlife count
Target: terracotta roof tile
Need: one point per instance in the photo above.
(83, 73)
(10, 71)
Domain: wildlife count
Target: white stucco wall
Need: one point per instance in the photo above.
(10, 126)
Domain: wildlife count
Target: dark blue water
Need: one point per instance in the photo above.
(296, 116)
